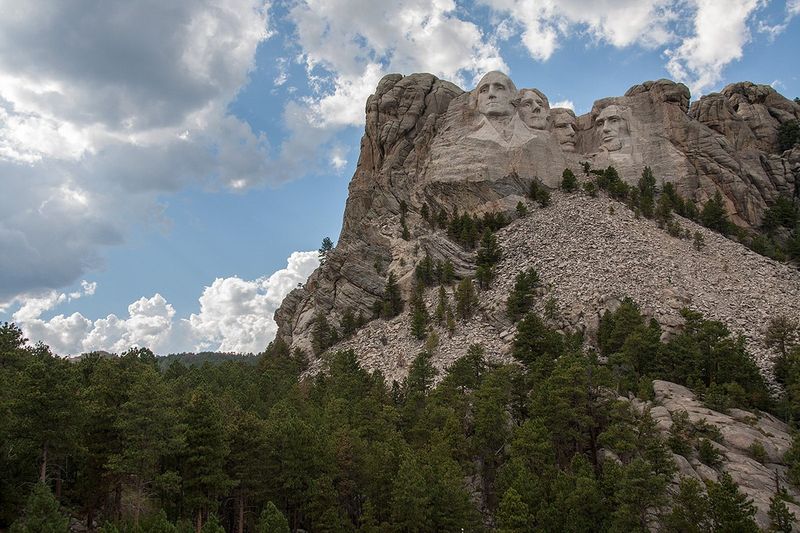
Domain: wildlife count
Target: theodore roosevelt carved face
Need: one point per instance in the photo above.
(612, 127)
(533, 108)
(564, 126)
(496, 93)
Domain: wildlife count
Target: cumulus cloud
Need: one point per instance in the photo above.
(354, 44)
(568, 104)
(618, 22)
(106, 105)
(720, 33)
(699, 37)
(235, 315)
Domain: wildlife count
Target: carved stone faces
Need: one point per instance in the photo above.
(496, 93)
(533, 108)
(565, 128)
(612, 127)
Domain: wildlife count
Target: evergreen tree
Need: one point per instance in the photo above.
(440, 316)
(538, 192)
(489, 254)
(513, 516)
(690, 509)
(781, 519)
(41, 513)
(729, 509)
(535, 344)
(522, 210)
(392, 303)
(521, 298)
(419, 313)
(569, 182)
(714, 216)
(466, 299)
(323, 335)
(204, 477)
(647, 192)
(325, 249)
(349, 324)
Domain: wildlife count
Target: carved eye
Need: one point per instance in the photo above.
(483, 89)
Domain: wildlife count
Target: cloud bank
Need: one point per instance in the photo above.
(235, 316)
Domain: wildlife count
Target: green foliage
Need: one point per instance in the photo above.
(466, 299)
(708, 454)
(325, 249)
(521, 298)
(569, 183)
(419, 313)
(522, 210)
(323, 335)
(781, 519)
(729, 509)
(784, 213)
(41, 513)
(788, 135)
(698, 241)
(538, 192)
(272, 520)
(590, 188)
(690, 510)
(535, 343)
(489, 254)
(647, 192)
(513, 515)
(466, 229)
(392, 301)
(714, 216)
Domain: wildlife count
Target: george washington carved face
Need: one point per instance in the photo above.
(612, 127)
(495, 95)
(533, 108)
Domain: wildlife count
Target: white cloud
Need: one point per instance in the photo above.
(720, 33)
(569, 104)
(235, 315)
(793, 7)
(105, 106)
(349, 45)
(618, 22)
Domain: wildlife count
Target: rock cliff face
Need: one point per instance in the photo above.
(428, 143)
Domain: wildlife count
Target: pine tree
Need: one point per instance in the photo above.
(348, 324)
(323, 335)
(513, 516)
(489, 254)
(569, 182)
(522, 210)
(466, 299)
(440, 316)
(521, 298)
(392, 300)
(781, 519)
(730, 510)
(325, 249)
(419, 313)
(714, 216)
(41, 513)
(647, 192)
(204, 477)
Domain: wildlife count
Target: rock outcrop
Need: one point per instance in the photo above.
(428, 144)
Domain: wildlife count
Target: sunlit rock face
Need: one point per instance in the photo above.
(432, 147)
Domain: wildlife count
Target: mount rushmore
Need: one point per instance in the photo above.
(431, 147)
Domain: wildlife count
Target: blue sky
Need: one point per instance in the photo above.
(169, 169)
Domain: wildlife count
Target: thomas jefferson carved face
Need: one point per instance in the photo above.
(533, 109)
(496, 93)
(612, 127)
(564, 126)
